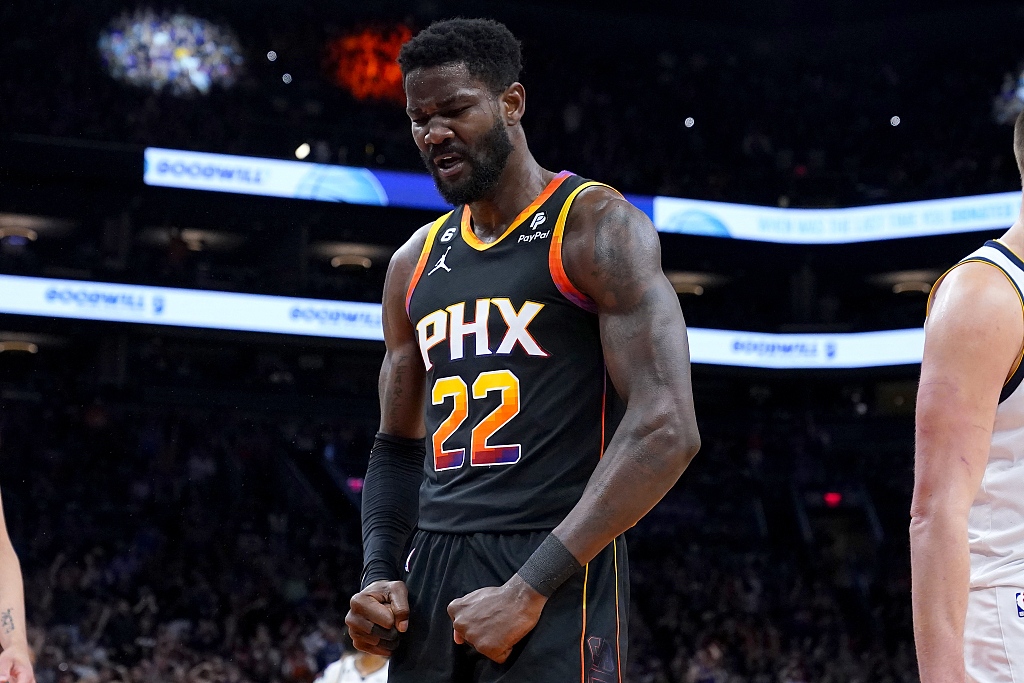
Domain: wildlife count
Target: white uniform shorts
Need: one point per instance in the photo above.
(994, 635)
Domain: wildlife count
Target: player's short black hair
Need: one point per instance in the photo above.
(487, 48)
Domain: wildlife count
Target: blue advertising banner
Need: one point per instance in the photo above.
(328, 183)
(837, 226)
(188, 308)
(355, 320)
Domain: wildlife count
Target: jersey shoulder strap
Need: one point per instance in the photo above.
(555, 263)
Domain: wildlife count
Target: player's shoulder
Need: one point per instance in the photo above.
(973, 298)
(975, 286)
(601, 203)
(610, 247)
(601, 215)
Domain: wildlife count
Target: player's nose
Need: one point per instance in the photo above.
(437, 133)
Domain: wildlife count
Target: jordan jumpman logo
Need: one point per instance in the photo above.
(441, 263)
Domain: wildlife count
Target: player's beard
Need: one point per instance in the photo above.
(484, 166)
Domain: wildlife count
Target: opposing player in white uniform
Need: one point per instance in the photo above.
(357, 667)
(967, 516)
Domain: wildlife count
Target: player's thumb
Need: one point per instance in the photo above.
(6, 670)
(399, 600)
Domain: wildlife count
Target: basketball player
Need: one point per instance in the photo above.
(537, 351)
(15, 662)
(967, 517)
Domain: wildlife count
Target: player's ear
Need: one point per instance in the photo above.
(513, 103)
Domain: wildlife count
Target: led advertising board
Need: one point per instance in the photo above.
(325, 182)
(355, 320)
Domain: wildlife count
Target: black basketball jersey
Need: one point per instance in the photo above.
(519, 405)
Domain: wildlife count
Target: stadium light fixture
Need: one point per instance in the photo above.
(19, 233)
(351, 260)
(23, 346)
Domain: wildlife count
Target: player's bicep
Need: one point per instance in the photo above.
(973, 337)
(618, 265)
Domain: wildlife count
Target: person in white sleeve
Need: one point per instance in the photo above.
(967, 515)
(357, 667)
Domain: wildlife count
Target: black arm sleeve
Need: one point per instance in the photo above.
(390, 508)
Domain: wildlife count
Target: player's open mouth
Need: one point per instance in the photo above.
(449, 165)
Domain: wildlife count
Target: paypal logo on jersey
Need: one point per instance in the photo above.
(450, 324)
(533, 236)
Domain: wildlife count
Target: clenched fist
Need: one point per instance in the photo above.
(16, 666)
(493, 619)
(377, 614)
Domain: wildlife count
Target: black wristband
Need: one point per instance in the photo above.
(549, 567)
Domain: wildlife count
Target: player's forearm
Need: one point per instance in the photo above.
(650, 450)
(940, 568)
(390, 504)
(12, 600)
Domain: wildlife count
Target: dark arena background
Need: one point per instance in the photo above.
(198, 202)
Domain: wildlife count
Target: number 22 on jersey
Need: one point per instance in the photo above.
(482, 454)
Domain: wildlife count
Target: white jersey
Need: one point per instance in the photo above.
(995, 525)
(344, 671)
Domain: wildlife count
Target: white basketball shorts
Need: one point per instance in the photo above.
(994, 635)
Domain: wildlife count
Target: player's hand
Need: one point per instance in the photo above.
(377, 614)
(16, 665)
(493, 620)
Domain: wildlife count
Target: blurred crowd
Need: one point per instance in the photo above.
(726, 589)
(196, 543)
(853, 116)
(176, 52)
(161, 545)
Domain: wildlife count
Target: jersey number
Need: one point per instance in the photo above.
(482, 453)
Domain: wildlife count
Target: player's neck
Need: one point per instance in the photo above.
(521, 182)
(1014, 237)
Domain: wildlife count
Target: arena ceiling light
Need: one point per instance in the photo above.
(170, 51)
(344, 260)
(16, 345)
(19, 235)
(352, 254)
(686, 282)
(196, 240)
(906, 281)
(26, 225)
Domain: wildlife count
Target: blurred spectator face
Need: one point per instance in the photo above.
(458, 128)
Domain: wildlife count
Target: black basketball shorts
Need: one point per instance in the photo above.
(581, 634)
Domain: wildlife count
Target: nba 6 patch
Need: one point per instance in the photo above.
(1020, 605)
